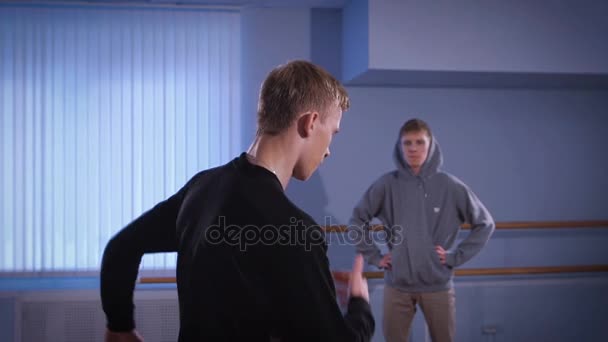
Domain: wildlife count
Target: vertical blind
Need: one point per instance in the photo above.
(105, 111)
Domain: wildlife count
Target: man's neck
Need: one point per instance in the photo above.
(274, 153)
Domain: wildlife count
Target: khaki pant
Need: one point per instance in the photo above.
(399, 308)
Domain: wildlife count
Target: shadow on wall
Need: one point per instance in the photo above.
(311, 196)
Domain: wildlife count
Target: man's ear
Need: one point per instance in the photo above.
(306, 123)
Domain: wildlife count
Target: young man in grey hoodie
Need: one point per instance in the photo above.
(422, 209)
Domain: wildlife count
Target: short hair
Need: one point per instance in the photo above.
(293, 88)
(415, 125)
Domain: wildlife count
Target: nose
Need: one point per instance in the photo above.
(327, 153)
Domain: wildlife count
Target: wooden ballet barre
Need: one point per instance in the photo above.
(504, 225)
(502, 271)
(505, 271)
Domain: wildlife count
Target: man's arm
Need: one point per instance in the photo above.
(307, 298)
(152, 232)
(475, 213)
(368, 207)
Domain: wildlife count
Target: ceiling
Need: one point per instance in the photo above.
(236, 3)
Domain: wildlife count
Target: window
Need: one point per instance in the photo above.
(105, 111)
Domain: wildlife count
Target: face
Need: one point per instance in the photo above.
(415, 147)
(316, 148)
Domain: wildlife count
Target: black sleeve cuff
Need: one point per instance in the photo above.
(124, 325)
(358, 304)
(360, 318)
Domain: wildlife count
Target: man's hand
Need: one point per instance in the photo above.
(358, 284)
(441, 252)
(386, 262)
(131, 336)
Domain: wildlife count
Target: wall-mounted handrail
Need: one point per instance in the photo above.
(505, 225)
(500, 271)
(507, 271)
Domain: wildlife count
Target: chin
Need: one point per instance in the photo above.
(300, 178)
(302, 175)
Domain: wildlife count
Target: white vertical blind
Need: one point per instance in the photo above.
(105, 111)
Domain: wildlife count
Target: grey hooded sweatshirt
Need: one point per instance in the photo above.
(420, 212)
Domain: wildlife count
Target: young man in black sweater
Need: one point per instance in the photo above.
(251, 265)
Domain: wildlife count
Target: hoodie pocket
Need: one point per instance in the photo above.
(435, 273)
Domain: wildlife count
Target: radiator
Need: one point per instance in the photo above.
(76, 316)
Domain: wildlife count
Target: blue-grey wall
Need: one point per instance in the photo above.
(530, 154)
(7, 319)
(471, 43)
(355, 37)
(270, 37)
(468, 35)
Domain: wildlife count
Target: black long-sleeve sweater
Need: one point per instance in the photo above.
(251, 265)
